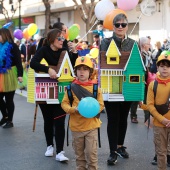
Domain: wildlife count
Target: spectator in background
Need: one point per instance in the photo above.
(155, 54)
(31, 48)
(96, 40)
(166, 45)
(150, 47)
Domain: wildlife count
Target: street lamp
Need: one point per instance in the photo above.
(19, 9)
(19, 13)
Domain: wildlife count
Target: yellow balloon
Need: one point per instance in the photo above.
(94, 52)
(32, 29)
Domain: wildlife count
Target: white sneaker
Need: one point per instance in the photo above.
(60, 157)
(50, 151)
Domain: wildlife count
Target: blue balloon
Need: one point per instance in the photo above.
(88, 107)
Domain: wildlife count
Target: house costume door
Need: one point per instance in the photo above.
(51, 92)
(117, 84)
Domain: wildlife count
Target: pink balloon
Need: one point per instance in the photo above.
(127, 5)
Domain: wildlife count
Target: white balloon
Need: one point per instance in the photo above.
(102, 8)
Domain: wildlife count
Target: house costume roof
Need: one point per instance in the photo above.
(123, 60)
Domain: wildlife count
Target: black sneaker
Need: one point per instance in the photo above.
(154, 161)
(8, 125)
(3, 121)
(112, 159)
(168, 160)
(121, 152)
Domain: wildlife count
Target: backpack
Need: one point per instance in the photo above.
(70, 96)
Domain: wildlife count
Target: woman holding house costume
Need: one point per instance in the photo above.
(51, 53)
(11, 72)
(117, 112)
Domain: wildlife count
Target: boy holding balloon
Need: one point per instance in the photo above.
(84, 121)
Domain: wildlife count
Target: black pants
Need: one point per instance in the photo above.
(133, 109)
(117, 113)
(51, 125)
(7, 106)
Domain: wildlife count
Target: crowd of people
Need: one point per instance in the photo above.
(84, 130)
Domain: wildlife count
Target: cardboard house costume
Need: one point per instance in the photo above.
(122, 74)
(41, 88)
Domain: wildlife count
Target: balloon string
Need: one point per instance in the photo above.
(60, 116)
(140, 16)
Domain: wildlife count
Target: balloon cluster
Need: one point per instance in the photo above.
(108, 13)
(27, 32)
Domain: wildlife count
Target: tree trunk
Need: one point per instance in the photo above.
(47, 16)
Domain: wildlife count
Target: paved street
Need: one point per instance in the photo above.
(22, 149)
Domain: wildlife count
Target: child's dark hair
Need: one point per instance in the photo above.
(164, 62)
(90, 69)
(58, 25)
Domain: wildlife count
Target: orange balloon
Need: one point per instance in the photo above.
(66, 34)
(108, 21)
(26, 34)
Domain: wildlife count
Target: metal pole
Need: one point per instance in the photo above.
(19, 14)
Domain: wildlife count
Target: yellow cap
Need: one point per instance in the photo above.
(84, 60)
(163, 57)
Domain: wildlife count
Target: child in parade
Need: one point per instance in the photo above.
(158, 105)
(11, 73)
(51, 52)
(84, 130)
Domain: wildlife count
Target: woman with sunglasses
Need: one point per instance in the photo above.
(70, 46)
(117, 112)
(51, 53)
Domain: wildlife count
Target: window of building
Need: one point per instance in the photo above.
(60, 89)
(42, 89)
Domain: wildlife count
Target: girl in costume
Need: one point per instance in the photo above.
(11, 72)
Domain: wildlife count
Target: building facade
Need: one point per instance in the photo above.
(148, 18)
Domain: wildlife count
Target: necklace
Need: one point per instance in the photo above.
(5, 57)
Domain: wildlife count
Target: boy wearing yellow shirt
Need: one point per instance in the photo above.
(84, 130)
(158, 105)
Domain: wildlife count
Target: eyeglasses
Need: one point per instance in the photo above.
(123, 25)
(64, 31)
(60, 38)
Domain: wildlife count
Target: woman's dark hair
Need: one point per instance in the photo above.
(58, 25)
(6, 35)
(51, 36)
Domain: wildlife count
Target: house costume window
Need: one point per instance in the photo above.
(134, 79)
(65, 70)
(60, 89)
(65, 88)
(42, 90)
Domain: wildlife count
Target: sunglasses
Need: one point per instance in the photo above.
(60, 38)
(123, 25)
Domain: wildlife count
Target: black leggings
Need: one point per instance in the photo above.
(7, 106)
(117, 113)
(51, 111)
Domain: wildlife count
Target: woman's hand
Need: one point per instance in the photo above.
(20, 79)
(72, 47)
(52, 73)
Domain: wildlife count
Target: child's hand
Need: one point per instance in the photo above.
(140, 103)
(166, 122)
(52, 73)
